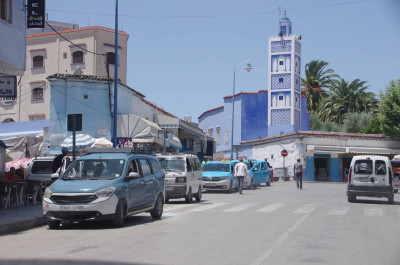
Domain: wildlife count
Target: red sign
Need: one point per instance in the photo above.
(284, 153)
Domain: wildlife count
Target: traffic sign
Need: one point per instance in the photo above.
(284, 153)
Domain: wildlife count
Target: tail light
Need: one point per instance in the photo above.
(349, 178)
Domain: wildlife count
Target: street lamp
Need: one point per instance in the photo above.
(235, 69)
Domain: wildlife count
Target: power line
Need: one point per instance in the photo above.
(211, 16)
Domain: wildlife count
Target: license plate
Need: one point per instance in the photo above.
(71, 208)
(365, 179)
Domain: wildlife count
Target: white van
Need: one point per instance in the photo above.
(183, 178)
(370, 176)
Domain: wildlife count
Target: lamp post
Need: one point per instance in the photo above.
(235, 69)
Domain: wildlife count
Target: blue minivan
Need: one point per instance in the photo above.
(106, 183)
(219, 175)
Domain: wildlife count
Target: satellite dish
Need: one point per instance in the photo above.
(78, 71)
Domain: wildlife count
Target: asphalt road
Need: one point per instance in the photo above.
(270, 225)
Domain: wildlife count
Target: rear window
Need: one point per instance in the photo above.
(380, 167)
(42, 167)
(216, 167)
(363, 167)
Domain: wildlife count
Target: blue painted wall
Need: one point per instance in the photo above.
(254, 116)
(335, 170)
(305, 117)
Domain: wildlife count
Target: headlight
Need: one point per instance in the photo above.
(180, 180)
(105, 193)
(47, 193)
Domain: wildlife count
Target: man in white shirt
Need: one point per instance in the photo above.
(240, 173)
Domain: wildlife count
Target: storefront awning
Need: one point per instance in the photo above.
(352, 150)
(27, 128)
(139, 129)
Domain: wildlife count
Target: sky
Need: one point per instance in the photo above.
(182, 53)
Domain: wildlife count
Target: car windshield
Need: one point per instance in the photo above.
(95, 169)
(172, 164)
(216, 167)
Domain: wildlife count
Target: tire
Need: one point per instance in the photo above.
(157, 211)
(198, 195)
(119, 216)
(251, 186)
(54, 224)
(230, 187)
(189, 196)
(391, 199)
(268, 183)
(351, 198)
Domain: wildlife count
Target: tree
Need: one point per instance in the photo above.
(389, 110)
(317, 80)
(346, 98)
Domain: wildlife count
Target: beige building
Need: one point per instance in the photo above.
(61, 48)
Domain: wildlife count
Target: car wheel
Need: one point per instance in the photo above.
(351, 198)
(268, 183)
(54, 224)
(189, 196)
(157, 211)
(251, 183)
(198, 195)
(391, 199)
(230, 187)
(119, 215)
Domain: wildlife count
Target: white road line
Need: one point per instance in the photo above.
(372, 211)
(339, 210)
(263, 258)
(208, 207)
(270, 208)
(306, 208)
(240, 207)
(171, 208)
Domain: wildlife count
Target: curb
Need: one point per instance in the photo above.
(19, 226)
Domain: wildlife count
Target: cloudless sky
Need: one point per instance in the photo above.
(181, 53)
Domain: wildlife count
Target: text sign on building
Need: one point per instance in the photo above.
(36, 12)
(8, 86)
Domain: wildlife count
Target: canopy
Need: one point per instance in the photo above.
(102, 143)
(82, 141)
(23, 162)
(26, 128)
(139, 129)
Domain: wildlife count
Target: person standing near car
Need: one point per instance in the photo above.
(298, 172)
(240, 173)
(57, 162)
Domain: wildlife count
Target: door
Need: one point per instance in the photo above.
(149, 191)
(135, 195)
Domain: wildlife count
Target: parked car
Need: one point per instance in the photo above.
(219, 175)
(370, 176)
(106, 184)
(183, 177)
(39, 169)
(259, 173)
(396, 174)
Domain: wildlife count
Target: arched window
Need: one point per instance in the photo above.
(37, 93)
(38, 61)
(77, 57)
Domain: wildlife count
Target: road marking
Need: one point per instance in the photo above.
(240, 207)
(270, 208)
(208, 207)
(306, 208)
(372, 211)
(262, 259)
(171, 208)
(339, 210)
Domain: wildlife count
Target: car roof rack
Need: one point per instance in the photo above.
(127, 150)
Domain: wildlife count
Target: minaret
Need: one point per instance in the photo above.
(284, 98)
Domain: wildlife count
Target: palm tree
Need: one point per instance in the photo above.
(317, 80)
(346, 98)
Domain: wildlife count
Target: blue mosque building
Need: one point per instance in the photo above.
(266, 113)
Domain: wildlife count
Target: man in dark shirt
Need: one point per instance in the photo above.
(57, 160)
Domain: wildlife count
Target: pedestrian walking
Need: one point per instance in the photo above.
(298, 173)
(57, 161)
(240, 173)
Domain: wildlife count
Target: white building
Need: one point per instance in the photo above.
(65, 49)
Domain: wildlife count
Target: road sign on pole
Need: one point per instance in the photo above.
(284, 153)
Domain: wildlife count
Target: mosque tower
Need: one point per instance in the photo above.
(284, 96)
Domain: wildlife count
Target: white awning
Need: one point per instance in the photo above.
(354, 150)
(139, 129)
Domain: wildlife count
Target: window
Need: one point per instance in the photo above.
(110, 58)
(37, 93)
(217, 138)
(77, 57)
(155, 166)
(226, 137)
(363, 167)
(145, 167)
(281, 80)
(188, 165)
(38, 61)
(280, 97)
(380, 167)
(280, 62)
(5, 10)
(210, 132)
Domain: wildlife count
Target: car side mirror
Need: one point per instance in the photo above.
(133, 175)
(55, 176)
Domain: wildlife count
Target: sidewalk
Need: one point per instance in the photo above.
(13, 220)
